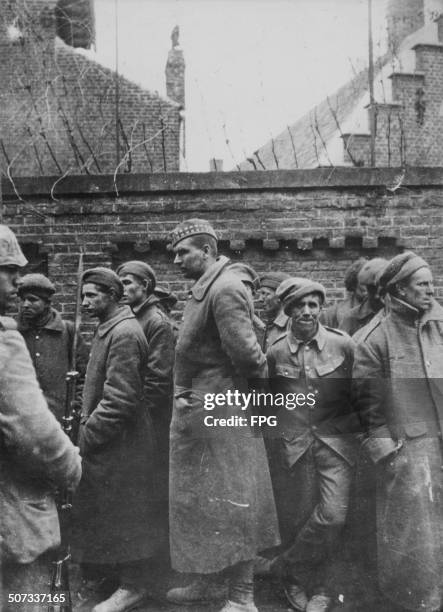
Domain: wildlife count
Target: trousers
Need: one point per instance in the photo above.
(312, 502)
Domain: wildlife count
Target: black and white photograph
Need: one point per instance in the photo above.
(221, 305)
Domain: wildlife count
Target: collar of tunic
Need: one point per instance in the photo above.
(319, 339)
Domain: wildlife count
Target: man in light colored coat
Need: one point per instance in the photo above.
(399, 393)
(222, 508)
(35, 455)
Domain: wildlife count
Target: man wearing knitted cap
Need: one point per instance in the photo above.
(116, 506)
(312, 363)
(356, 293)
(50, 340)
(362, 314)
(36, 456)
(274, 318)
(399, 395)
(221, 502)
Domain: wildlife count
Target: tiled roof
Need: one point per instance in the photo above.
(303, 144)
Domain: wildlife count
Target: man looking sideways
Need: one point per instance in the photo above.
(139, 284)
(221, 502)
(397, 379)
(116, 531)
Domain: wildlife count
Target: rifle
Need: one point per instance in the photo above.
(60, 594)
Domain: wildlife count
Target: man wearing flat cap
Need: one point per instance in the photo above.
(312, 363)
(221, 502)
(274, 318)
(399, 395)
(115, 509)
(139, 284)
(36, 456)
(50, 341)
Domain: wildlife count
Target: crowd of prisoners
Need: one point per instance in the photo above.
(356, 474)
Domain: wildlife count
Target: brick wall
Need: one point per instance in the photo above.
(58, 108)
(305, 222)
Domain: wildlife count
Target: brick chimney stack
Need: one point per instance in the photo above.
(403, 18)
(175, 70)
(27, 35)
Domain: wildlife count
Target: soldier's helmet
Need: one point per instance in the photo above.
(10, 251)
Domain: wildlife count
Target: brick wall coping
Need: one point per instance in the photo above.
(318, 178)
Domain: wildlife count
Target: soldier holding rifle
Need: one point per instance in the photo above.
(35, 455)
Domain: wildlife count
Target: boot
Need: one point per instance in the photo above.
(296, 596)
(232, 606)
(91, 591)
(241, 588)
(122, 600)
(201, 590)
(319, 603)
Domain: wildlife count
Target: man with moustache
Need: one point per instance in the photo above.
(116, 530)
(399, 394)
(36, 456)
(50, 341)
(221, 502)
(317, 448)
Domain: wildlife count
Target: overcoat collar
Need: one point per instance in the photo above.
(411, 314)
(204, 282)
(124, 312)
(150, 301)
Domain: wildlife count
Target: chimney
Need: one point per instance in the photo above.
(175, 70)
(27, 37)
(76, 22)
(403, 18)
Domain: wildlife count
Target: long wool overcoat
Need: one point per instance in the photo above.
(115, 512)
(221, 502)
(399, 392)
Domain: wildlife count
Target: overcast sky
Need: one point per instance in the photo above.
(252, 66)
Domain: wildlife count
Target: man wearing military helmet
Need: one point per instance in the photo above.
(35, 455)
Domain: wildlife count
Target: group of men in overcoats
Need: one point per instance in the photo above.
(243, 499)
